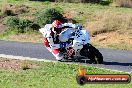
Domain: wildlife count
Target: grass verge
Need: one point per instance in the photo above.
(51, 75)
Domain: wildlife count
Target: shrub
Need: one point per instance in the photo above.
(48, 15)
(12, 22)
(22, 25)
(105, 2)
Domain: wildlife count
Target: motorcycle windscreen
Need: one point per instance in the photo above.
(65, 35)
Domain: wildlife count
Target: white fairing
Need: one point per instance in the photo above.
(66, 34)
(45, 29)
(81, 37)
(46, 32)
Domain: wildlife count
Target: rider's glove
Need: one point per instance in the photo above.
(78, 27)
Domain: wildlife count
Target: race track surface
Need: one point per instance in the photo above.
(120, 60)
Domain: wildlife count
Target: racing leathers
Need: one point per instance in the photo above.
(50, 40)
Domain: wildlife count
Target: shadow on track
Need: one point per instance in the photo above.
(117, 63)
(104, 63)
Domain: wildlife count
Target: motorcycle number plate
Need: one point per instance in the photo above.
(63, 45)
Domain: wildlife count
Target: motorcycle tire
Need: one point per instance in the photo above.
(93, 54)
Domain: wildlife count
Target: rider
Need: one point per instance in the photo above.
(51, 38)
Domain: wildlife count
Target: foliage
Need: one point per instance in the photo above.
(22, 25)
(48, 15)
(105, 2)
(12, 22)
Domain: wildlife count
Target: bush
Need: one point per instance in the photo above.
(12, 22)
(22, 25)
(48, 15)
(105, 2)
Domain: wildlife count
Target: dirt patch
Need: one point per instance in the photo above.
(2, 28)
(11, 10)
(110, 22)
(67, 14)
(106, 39)
(122, 3)
(15, 64)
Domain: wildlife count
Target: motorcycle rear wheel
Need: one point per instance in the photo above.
(93, 54)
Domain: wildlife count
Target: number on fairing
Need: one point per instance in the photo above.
(63, 45)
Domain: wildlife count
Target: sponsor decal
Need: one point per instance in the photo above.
(83, 78)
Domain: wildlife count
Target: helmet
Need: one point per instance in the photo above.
(56, 24)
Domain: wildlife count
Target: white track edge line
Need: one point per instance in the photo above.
(24, 58)
(105, 68)
(40, 59)
(113, 70)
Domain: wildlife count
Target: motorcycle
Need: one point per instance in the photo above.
(75, 46)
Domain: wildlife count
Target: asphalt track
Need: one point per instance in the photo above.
(120, 60)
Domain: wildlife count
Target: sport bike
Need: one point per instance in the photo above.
(75, 46)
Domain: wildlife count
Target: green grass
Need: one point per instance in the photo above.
(52, 75)
(6, 34)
